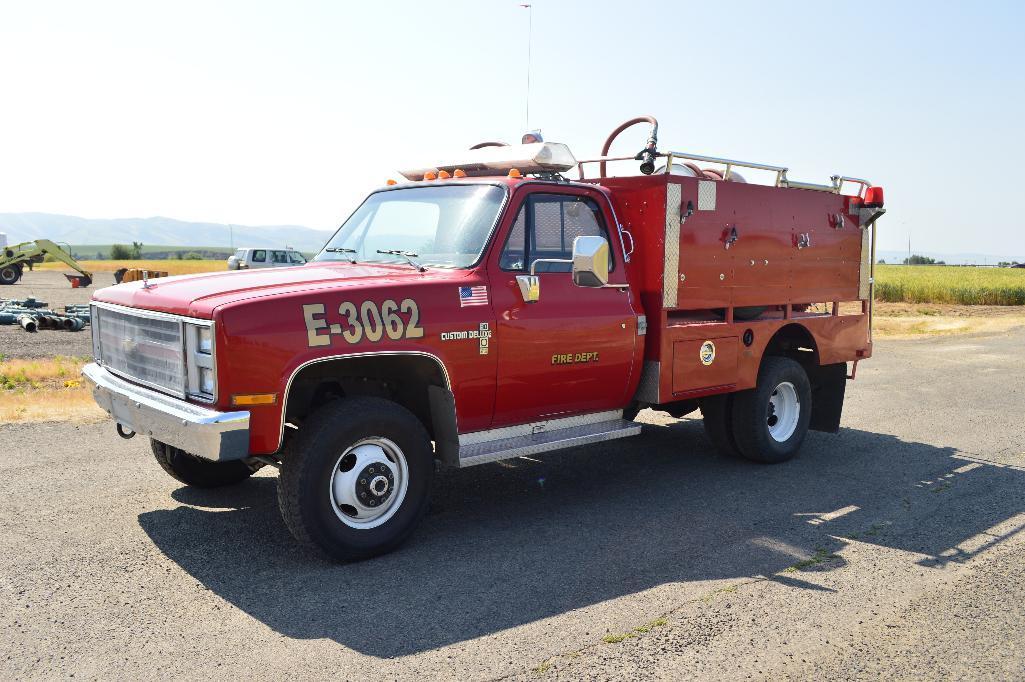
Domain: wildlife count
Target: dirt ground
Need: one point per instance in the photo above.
(52, 288)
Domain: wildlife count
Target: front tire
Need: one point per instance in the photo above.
(10, 274)
(355, 481)
(771, 420)
(196, 471)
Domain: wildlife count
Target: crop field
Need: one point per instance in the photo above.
(950, 284)
(172, 266)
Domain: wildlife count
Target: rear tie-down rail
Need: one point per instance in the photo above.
(835, 185)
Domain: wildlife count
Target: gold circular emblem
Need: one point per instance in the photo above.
(707, 353)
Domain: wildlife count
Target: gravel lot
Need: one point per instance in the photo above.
(891, 550)
(53, 288)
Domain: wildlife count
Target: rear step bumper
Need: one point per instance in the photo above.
(206, 433)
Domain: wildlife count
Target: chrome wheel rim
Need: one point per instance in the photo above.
(368, 483)
(784, 412)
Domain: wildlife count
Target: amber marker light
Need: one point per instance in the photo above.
(430, 175)
(391, 182)
(459, 173)
(515, 173)
(244, 399)
(444, 174)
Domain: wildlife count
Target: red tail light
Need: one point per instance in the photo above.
(874, 197)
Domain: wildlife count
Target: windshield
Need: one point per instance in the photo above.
(442, 226)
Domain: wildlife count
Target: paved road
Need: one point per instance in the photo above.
(892, 549)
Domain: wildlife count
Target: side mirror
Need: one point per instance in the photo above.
(590, 262)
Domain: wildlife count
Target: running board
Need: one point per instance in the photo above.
(482, 451)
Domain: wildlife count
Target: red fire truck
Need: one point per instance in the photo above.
(487, 308)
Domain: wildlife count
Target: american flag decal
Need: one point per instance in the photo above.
(473, 296)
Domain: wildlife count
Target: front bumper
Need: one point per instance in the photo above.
(218, 436)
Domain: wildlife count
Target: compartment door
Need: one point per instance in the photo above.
(704, 363)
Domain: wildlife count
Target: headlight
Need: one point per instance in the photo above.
(206, 340)
(206, 381)
(199, 359)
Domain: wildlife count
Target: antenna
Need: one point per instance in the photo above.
(530, 31)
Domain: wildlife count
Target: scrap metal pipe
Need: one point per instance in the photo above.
(28, 323)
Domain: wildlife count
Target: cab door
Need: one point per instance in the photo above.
(572, 351)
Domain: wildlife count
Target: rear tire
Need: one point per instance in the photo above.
(771, 420)
(356, 480)
(196, 471)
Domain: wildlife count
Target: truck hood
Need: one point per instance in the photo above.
(200, 295)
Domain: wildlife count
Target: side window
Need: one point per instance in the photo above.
(546, 226)
(296, 257)
(280, 257)
(259, 256)
(514, 254)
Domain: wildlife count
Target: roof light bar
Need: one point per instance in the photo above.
(539, 157)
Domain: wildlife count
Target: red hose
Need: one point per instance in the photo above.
(615, 133)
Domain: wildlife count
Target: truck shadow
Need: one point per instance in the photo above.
(511, 543)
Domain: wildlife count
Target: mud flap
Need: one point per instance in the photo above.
(828, 383)
(443, 419)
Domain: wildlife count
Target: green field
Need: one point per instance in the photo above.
(90, 251)
(950, 284)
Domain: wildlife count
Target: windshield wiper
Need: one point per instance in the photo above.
(340, 249)
(408, 255)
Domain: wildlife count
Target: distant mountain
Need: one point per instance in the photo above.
(23, 227)
(950, 258)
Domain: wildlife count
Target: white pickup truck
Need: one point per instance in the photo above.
(244, 259)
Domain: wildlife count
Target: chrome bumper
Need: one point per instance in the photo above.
(206, 433)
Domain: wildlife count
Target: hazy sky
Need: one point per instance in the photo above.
(289, 112)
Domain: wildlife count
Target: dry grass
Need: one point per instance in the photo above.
(171, 266)
(42, 373)
(45, 390)
(48, 405)
(904, 320)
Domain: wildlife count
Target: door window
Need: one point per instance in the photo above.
(259, 256)
(546, 226)
(280, 257)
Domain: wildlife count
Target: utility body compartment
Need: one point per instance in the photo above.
(710, 254)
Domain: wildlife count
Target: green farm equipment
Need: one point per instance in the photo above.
(16, 257)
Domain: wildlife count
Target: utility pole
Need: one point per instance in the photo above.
(530, 31)
(231, 235)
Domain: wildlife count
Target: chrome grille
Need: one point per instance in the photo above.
(145, 348)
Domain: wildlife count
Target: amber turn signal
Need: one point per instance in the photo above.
(515, 173)
(240, 399)
(391, 182)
